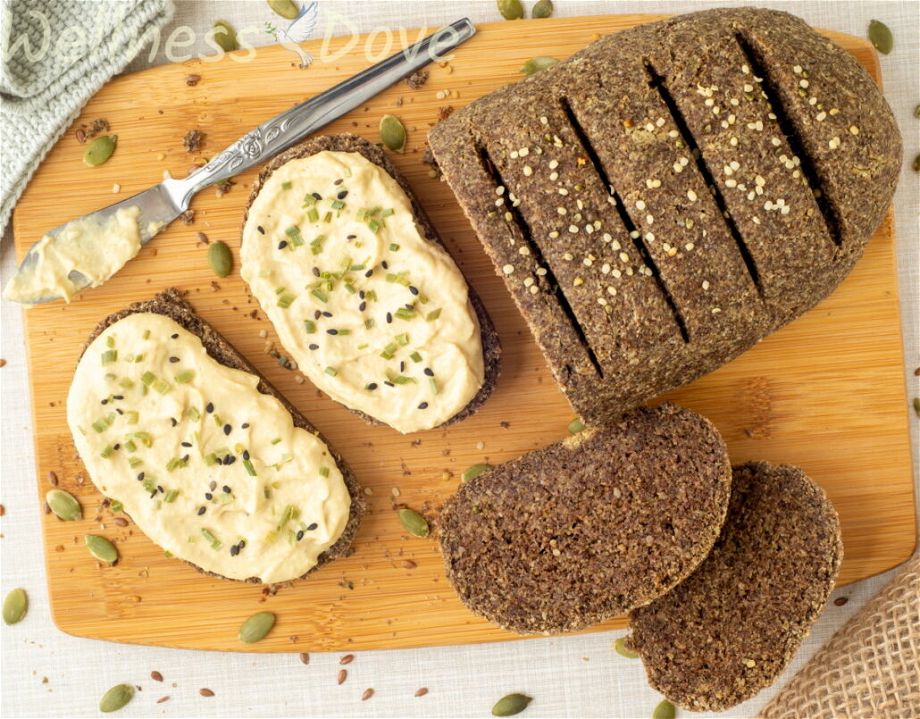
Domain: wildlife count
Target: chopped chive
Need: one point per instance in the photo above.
(276, 440)
(162, 386)
(107, 451)
(320, 295)
(250, 470)
(363, 346)
(309, 326)
(116, 506)
(313, 215)
(286, 516)
(185, 376)
(316, 246)
(394, 247)
(373, 225)
(309, 200)
(130, 446)
(193, 414)
(293, 233)
(327, 218)
(148, 377)
(402, 339)
(369, 323)
(109, 341)
(433, 315)
(211, 459)
(171, 496)
(324, 471)
(356, 268)
(215, 542)
(415, 357)
(388, 212)
(287, 185)
(100, 425)
(433, 383)
(285, 300)
(135, 462)
(370, 296)
(126, 383)
(146, 334)
(331, 371)
(109, 356)
(337, 204)
(404, 313)
(389, 351)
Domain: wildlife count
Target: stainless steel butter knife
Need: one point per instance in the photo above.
(163, 203)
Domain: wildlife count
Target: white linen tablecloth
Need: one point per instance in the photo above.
(47, 673)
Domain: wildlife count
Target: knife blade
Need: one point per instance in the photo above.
(164, 202)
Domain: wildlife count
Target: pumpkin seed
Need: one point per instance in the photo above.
(101, 548)
(15, 606)
(474, 471)
(535, 64)
(100, 150)
(576, 425)
(414, 522)
(917, 405)
(619, 646)
(116, 698)
(285, 8)
(511, 9)
(880, 36)
(510, 705)
(543, 8)
(392, 133)
(917, 111)
(256, 627)
(220, 258)
(64, 505)
(916, 164)
(225, 36)
(665, 710)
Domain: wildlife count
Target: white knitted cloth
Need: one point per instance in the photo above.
(55, 55)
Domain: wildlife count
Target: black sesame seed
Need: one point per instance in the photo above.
(313, 346)
(372, 386)
(227, 429)
(119, 410)
(389, 318)
(260, 229)
(342, 195)
(246, 454)
(185, 458)
(173, 421)
(316, 272)
(209, 407)
(116, 446)
(351, 237)
(226, 489)
(423, 405)
(429, 372)
(241, 543)
(105, 401)
(413, 289)
(186, 444)
(229, 459)
(208, 495)
(385, 265)
(299, 535)
(140, 476)
(234, 550)
(118, 396)
(332, 332)
(202, 510)
(368, 273)
(213, 485)
(175, 335)
(389, 384)
(317, 196)
(362, 306)
(338, 181)
(173, 359)
(245, 425)
(402, 365)
(317, 314)
(160, 488)
(313, 525)
(327, 313)
(282, 244)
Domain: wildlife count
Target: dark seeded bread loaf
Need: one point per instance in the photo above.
(345, 142)
(729, 629)
(667, 197)
(579, 531)
(172, 304)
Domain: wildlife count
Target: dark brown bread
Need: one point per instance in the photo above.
(729, 629)
(579, 531)
(346, 142)
(670, 195)
(171, 303)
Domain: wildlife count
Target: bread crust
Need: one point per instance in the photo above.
(172, 303)
(346, 142)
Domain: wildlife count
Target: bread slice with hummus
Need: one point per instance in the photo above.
(210, 462)
(360, 289)
(579, 531)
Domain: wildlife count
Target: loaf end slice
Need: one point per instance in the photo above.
(729, 629)
(577, 532)
(172, 303)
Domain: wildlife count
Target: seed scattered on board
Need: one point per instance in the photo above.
(205, 692)
(64, 505)
(101, 548)
(15, 606)
(511, 704)
(619, 646)
(664, 710)
(257, 627)
(414, 522)
(116, 698)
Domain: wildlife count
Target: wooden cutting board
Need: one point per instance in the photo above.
(826, 392)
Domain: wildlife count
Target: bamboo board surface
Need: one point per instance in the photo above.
(826, 393)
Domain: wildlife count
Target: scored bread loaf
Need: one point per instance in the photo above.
(668, 196)
(574, 533)
(730, 628)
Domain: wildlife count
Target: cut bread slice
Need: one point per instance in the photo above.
(577, 532)
(300, 529)
(729, 629)
(360, 289)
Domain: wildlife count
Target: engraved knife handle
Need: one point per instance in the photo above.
(282, 131)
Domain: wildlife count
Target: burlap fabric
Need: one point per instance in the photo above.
(870, 669)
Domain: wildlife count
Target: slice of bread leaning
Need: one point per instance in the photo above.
(731, 627)
(360, 289)
(579, 531)
(178, 503)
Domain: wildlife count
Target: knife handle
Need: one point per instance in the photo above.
(282, 131)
